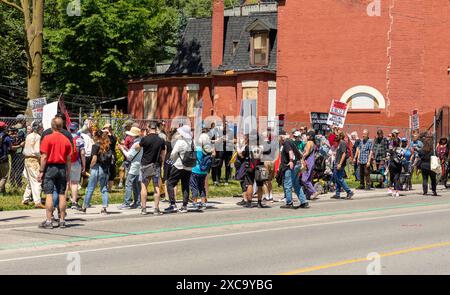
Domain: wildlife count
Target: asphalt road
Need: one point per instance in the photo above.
(411, 235)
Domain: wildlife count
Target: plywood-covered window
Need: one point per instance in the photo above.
(192, 98)
(150, 101)
(250, 90)
(260, 49)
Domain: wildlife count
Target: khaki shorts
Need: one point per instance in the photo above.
(270, 166)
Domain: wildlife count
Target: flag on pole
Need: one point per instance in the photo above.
(63, 109)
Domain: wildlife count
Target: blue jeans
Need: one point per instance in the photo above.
(291, 180)
(98, 175)
(132, 186)
(356, 173)
(340, 182)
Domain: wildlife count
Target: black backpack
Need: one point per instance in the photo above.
(189, 159)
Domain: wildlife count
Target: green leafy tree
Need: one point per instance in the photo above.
(12, 55)
(111, 41)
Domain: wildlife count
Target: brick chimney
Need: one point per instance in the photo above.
(217, 34)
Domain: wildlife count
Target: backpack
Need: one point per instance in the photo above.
(205, 163)
(261, 174)
(397, 156)
(189, 159)
(75, 151)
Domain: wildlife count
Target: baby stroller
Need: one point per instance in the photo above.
(323, 174)
(406, 176)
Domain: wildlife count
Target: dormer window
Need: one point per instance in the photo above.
(259, 42)
(260, 49)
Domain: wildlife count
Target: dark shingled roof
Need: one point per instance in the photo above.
(236, 31)
(194, 51)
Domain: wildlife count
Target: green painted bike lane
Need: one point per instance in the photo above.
(213, 225)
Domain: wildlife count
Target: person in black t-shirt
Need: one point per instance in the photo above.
(339, 167)
(290, 168)
(100, 166)
(107, 128)
(154, 149)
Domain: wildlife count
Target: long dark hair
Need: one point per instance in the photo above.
(103, 141)
(427, 145)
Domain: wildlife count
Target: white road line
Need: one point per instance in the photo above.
(224, 235)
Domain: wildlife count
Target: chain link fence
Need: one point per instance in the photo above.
(15, 182)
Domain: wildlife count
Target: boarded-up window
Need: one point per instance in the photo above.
(260, 49)
(150, 101)
(192, 98)
(250, 93)
(250, 90)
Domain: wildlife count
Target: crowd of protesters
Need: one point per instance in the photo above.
(58, 160)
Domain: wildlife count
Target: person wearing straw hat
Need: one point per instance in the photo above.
(132, 183)
(184, 157)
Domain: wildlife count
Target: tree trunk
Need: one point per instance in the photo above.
(35, 47)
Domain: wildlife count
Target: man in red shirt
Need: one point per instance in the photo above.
(56, 151)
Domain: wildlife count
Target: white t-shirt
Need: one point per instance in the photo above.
(88, 143)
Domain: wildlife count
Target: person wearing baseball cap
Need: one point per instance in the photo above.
(298, 140)
(78, 165)
(309, 157)
(5, 147)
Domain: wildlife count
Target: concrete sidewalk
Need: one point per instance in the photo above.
(18, 218)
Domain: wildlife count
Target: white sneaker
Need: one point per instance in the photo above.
(390, 191)
(397, 194)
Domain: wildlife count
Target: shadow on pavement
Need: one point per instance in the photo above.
(14, 218)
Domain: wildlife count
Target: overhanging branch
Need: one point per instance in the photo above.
(12, 4)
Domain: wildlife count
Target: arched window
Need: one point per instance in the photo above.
(364, 98)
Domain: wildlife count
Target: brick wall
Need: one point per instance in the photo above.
(328, 46)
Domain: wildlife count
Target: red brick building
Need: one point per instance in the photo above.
(383, 57)
(220, 60)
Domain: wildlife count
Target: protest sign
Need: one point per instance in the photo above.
(37, 107)
(48, 113)
(415, 125)
(319, 122)
(338, 112)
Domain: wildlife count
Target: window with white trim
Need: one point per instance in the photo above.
(363, 101)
